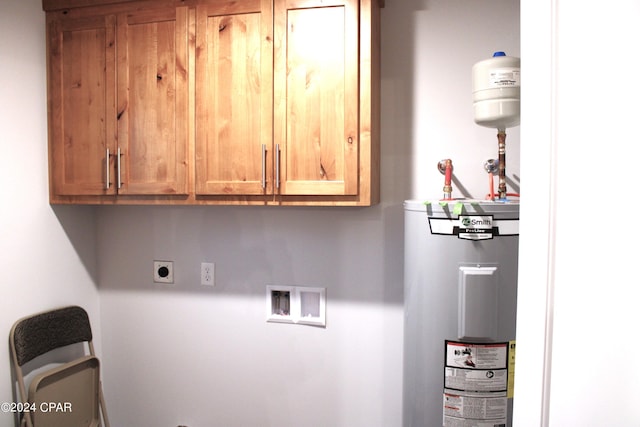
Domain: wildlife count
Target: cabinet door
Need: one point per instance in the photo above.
(153, 109)
(82, 125)
(316, 96)
(234, 98)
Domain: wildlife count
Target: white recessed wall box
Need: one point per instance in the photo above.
(296, 304)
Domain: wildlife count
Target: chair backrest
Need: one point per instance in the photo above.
(38, 334)
(41, 333)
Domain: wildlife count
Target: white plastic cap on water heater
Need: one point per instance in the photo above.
(496, 91)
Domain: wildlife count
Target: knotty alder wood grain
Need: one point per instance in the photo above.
(214, 101)
(153, 101)
(119, 120)
(234, 100)
(316, 87)
(82, 112)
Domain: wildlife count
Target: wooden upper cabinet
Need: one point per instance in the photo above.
(234, 98)
(316, 96)
(82, 121)
(214, 101)
(153, 102)
(118, 103)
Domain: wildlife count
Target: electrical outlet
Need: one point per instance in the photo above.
(163, 271)
(207, 274)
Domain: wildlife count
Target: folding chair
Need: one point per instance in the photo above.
(67, 395)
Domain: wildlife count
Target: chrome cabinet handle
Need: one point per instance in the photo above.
(278, 166)
(264, 161)
(106, 164)
(119, 169)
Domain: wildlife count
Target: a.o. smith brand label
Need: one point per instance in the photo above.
(475, 222)
(474, 227)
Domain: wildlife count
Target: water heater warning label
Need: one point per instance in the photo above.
(476, 367)
(476, 380)
(473, 409)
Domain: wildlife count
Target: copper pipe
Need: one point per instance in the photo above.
(502, 180)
